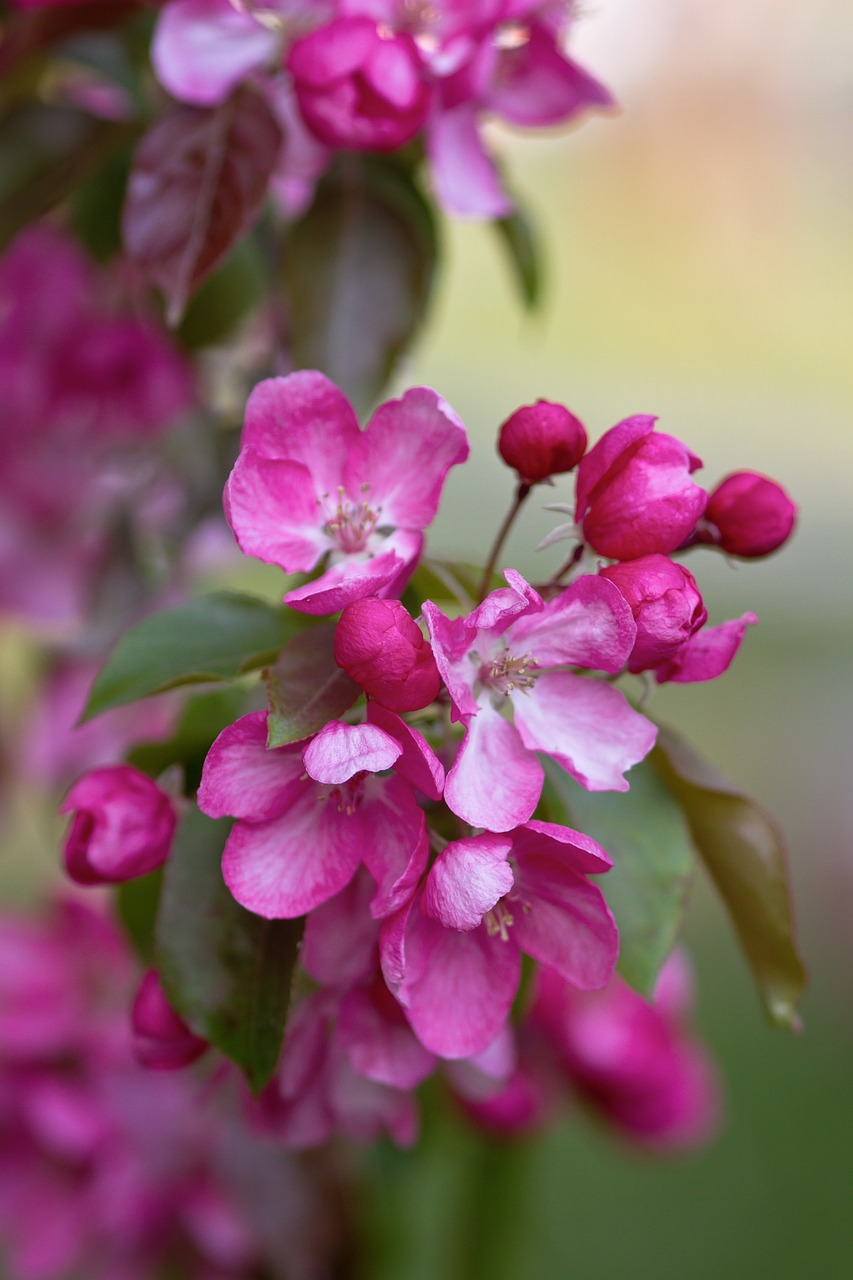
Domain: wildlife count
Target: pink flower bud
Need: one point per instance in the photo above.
(634, 492)
(161, 1040)
(122, 828)
(541, 440)
(748, 515)
(666, 605)
(358, 87)
(380, 646)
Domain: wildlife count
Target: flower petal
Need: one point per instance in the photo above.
(464, 175)
(467, 879)
(585, 626)
(572, 849)
(564, 922)
(339, 751)
(241, 778)
(202, 49)
(350, 579)
(612, 447)
(494, 783)
(272, 507)
(303, 418)
(418, 764)
(395, 841)
(707, 654)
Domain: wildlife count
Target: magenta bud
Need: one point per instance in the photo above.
(161, 1039)
(358, 86)
(541, 440)
(122, 826)
(380, 646)
(748, 515)
(666, 605)
(634, 492)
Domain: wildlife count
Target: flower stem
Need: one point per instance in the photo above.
(520, 494)
(570, 563)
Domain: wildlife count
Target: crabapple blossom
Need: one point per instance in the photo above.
(122, 827)
(513, 650)
(666, 605)
(541, 440)
(379, 645)
(748, 515)
(634, 492)
(309, 485)
(161, 1039)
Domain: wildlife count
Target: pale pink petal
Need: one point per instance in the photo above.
(587, 726)
(202, 49)
(350, 579)
(303, 418)
(284, 868)
(272, 507)
(340, 946)
(707, 654)
(418, 764)
(467, 879)
(241, 778)
(401, 461)
(395, 847)
(494, 783)
(503, 605)
(594, 466)
(583, 626)
(572, 849)
(339, 751)
(464, 176)
(451, 640)
(379, 1042)
(563, 921)
(536, 85)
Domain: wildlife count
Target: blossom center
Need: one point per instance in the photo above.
(347, 796)
(351, 523)
(504, 673)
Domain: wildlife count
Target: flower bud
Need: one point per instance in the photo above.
(161, 1039)
(122, 828)
(634, 492)
(380, 646)
(748, 515)
(541, 440)
(666, 605)
(359, 88)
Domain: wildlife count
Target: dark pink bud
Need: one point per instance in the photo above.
(358, 86)
(380, 646)
(748, 515)
(161, 1040)
(541, 440)
(122, 827)
(666, 605)
(635, 495)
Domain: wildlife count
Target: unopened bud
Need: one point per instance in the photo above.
(542, 440)
(748, 515)
(380, 646)
(161, 1039)
(122, 828)
(666, 605)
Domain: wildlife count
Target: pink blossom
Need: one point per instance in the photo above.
(513, 650)
(666, 605)
(634, 492)
(308, 484)
(310, 814)
(378, 644)
(707, 654)
(748, 515)
(631, 1059)
(452, 955)
(122, 827)
(541, 440)
(161, 1039)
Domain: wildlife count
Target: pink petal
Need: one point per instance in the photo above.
(379, 1042)
(303, 418)
(350, 579)
(587, 726)
(584, 626)
(467, 879)
(494, 783)
(340, 946)
(536, 85)
(272, 507)
(707, 654)
(451, 640)
(402, 460)
(242, 779)
(564, 922)
(572, 849)
(503, 605)
(202, 49)
(418, 764)
(464, 176)
(339, 751)
(395, 847)
(594, 466)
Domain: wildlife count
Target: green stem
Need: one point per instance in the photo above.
(520, 494)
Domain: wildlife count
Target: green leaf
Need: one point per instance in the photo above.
(357, 274)
(217, 637)
(451, 582)
(227, 972)
(306, 688)
(137, 902)
(224, 298)
(644, 832)
(203, 718)
(745, 856)
(522, 249)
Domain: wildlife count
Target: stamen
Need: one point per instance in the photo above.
(499, 921)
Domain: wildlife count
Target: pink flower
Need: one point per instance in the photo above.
(359, 85)
(541, 440)
(748, 515)
(308, 484)
(452, 955)
(122, 828)
(513, 651)
(378, 644)
(310, 814)
(631, 1059)
(202, 49)
(666, 605)
(634, 492)
(161, 1039)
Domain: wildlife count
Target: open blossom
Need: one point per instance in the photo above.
(513, 651)
(309, 485)
(310, 814)
(122, 827)
(452, 955)
(379, 644)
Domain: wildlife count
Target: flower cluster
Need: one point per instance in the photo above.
(371, 75)
(409, 828)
